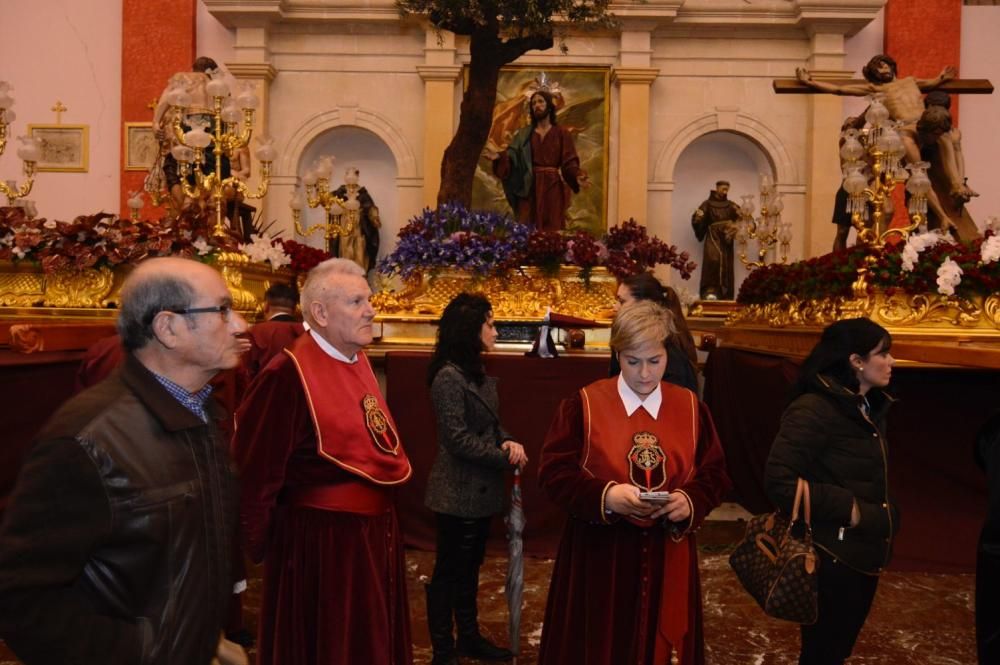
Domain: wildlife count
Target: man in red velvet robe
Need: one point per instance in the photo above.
(278, 329)
(625, 586)
(540, 170)
(320, 457)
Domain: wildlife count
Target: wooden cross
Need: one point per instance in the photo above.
(59, 109)
(954, 86)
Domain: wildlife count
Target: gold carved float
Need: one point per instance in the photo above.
(525, 294)
(26, 291)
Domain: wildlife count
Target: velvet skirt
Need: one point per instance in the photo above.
(334, 591)
(604, 599)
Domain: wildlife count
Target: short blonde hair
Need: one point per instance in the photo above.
(641, 322)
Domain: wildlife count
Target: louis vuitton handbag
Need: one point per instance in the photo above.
(779, 569)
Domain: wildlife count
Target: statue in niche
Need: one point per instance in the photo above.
(361, 244)
(714, 223)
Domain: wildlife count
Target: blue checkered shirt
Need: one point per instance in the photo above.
(193, 402)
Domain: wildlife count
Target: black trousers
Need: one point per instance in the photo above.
(845, 598)
(454, 585)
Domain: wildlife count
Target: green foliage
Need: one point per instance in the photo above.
(511, 18)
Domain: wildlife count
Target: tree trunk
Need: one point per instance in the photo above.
(458, 167)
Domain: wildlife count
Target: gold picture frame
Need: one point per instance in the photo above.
(65, 148)
(141, 146)
(585, 110)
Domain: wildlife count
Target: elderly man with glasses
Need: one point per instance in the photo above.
(116, 544)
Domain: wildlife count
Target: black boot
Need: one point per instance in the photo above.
(471, 642)
(439, 622)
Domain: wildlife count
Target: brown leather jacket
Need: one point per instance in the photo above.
(115, 546)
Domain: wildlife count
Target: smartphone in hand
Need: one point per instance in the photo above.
(654, 497)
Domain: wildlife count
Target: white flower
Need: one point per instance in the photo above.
(51, 224)
(18, 252)
(917, 243)
(202, 246)
(7, 240)
(949, 275)
(260, 249)
(990, 251)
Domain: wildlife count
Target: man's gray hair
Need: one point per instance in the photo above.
(142, 298)
(317, 282)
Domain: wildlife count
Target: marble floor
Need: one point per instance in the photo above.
(917, 619)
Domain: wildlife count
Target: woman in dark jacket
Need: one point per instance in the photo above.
(466, 485)
(682, 358)
(832, 435)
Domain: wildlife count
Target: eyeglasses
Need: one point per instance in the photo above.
(224, 310)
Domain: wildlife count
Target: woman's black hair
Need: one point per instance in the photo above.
(645, 286)
(831, 355)
(459, 337)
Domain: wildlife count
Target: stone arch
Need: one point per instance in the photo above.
(746, 125)
(382, 127)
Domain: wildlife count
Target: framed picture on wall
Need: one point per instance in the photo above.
(141, 146)
(581, 98)
(65, 148)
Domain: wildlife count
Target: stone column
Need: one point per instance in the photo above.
(825, 115)
(633, 76)
(439, 73)
(253, 65)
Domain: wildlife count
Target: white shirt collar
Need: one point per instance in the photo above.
(331, 350)
(632, 401)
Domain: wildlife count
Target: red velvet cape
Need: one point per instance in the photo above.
(603, 604)
(334, 582)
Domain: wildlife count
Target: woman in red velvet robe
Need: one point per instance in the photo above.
(625, 586)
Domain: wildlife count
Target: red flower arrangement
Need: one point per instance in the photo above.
(632, 250)
(833, 275)
(545, 249)
(304, 258)
(103, 240)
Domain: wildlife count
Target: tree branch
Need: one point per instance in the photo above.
(512, 49)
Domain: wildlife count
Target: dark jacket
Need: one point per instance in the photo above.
(115, 547)
(827, 440)
(467, 478)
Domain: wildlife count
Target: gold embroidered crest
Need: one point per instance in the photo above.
(379, 427)
(646, 455)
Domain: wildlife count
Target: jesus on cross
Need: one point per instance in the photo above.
(904, 100)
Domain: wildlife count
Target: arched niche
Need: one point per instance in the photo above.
(361, 148)
(717, 155)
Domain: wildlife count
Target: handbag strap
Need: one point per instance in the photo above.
(802, 499)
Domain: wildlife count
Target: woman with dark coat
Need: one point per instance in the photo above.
(466, 485)
(833, 435)
(682, 358)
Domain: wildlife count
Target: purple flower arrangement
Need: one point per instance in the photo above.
(489, 243)
(451, 237)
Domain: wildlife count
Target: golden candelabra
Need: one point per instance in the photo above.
(767, 231)
(342, 215)
(872, 159)
(29, 151)
(218, 131)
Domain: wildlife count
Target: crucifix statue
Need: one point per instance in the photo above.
(919, 127)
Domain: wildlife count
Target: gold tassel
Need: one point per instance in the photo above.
(674, 660)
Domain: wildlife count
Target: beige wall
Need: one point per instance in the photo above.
(324, 66)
